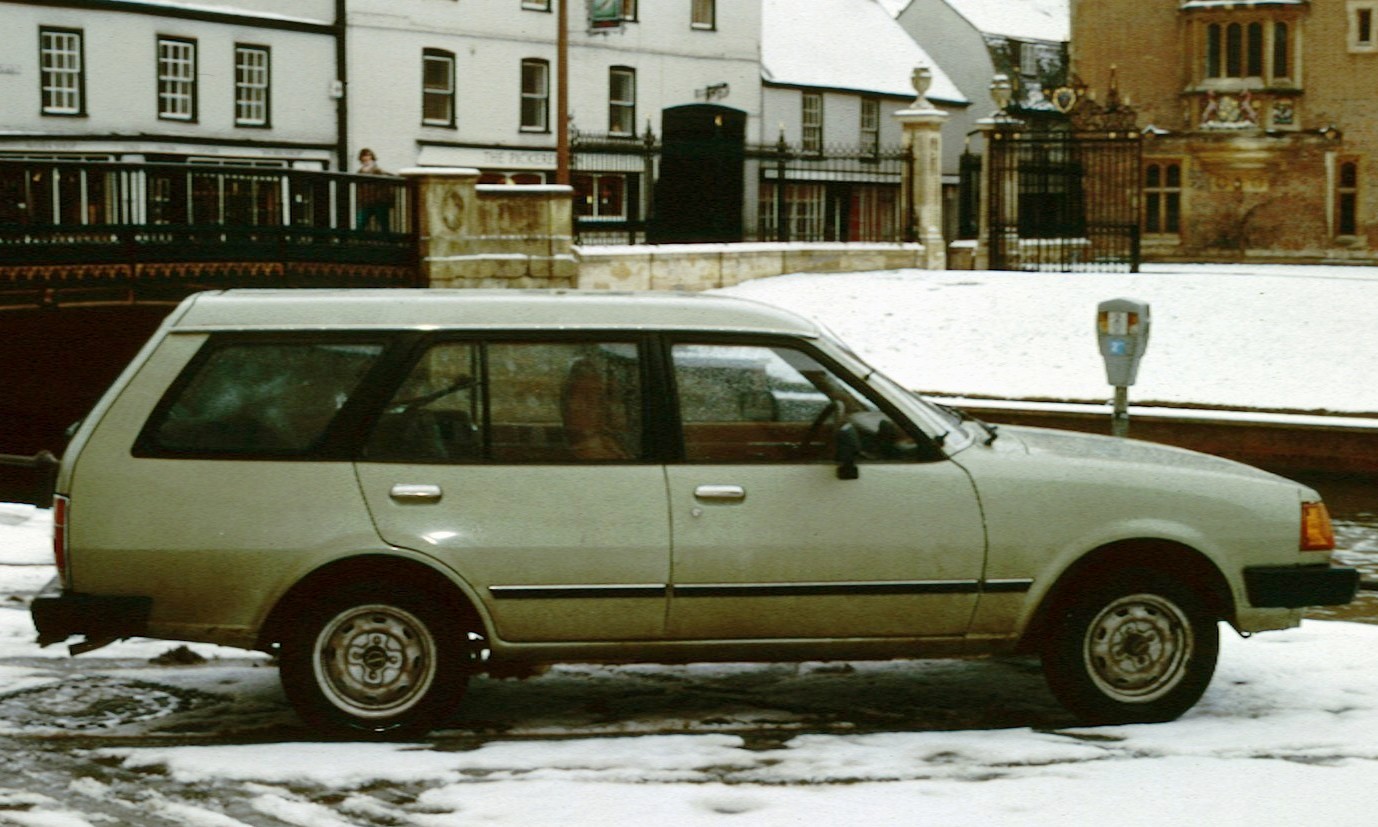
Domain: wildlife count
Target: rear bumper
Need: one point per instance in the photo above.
(1292, 587)
(58, 615)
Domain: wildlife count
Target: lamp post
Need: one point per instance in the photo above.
(562, 93)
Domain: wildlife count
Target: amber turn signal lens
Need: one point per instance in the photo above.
(1317, 532)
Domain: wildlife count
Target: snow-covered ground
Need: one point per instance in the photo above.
(1264, 336)
(1287, 733)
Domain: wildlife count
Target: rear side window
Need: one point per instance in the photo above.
(515, 402)
(258, 398)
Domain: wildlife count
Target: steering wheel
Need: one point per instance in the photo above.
(831, 410)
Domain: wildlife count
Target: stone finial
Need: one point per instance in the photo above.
(1001, 91)
(921, 78)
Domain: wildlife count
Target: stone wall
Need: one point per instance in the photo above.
(708, 266)
(472, 235)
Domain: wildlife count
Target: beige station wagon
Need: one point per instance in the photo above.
(394, 490)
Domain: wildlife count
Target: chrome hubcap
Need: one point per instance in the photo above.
(375, 661)
(1138, 647)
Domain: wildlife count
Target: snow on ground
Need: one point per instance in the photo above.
(1270, 337)
(1287, 733)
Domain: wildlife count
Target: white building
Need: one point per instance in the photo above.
(834, 72)
(237, 82)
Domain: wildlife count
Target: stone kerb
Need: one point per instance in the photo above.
(472, 235)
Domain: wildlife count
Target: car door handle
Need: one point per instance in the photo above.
(409, 493)
(720, 493)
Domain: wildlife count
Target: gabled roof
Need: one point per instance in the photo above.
(844, 44)
(1048, 20)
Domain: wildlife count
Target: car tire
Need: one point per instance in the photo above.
(1134, 646)
(375, 661)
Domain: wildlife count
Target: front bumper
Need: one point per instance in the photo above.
(1292, 587)
(57, 615)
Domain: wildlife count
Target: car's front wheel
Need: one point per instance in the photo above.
(1134, 646)
(375, 661)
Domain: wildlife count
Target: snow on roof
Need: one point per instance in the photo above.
(1021, 19)
(844, 44)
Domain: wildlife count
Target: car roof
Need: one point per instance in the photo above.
(517, 309)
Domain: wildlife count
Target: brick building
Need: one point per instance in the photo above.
(1260, 119)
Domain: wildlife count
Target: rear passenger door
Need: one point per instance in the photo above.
(523, 464)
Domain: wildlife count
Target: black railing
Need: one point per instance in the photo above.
(824, 193)
(91, 213)
(830, 192)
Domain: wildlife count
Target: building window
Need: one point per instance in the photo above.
(1163, 197)
(535, 96)
(703, 14)
(811, 120)
(437, 88)
(629, 11)
(870, 126)
(176, 79)
(1260, 49)
(536, 5)
(621, 101)
(1347, 198)
(251, 76)
(600, 195)
(1363, 26)
(62, 72)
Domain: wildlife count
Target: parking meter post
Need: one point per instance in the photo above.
(1119, 422)
(1122, 327)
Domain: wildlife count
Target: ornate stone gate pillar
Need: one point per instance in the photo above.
(923, 179)
(476, 235)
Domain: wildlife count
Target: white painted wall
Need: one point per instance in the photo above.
(490, 38)
(121, 116)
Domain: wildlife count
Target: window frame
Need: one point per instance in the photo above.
(177, 87)
(651, 395)
(1346, 197)
(339, 441)
(1361, 26)
(811, 122)
(624, 107)
(431, 94)
(535, 101)
(703, 15)
(926, 450)
(1255, 48)
(536, 5)
(588, 191)
(56, 81)
(869, 126)
(248, 94)
(1163, 199)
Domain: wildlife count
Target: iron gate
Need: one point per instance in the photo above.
(1063, 200)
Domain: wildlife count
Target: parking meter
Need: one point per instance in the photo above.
(1122, 331)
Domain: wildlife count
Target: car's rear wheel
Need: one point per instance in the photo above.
(375, 660)
(1133, 646)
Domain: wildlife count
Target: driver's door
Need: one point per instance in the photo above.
(768, 542)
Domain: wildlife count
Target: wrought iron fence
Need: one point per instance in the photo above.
(1064, 200)
(58, 212)
(614, 186)
(831, 193)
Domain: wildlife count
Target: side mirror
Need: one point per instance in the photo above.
(848, 450)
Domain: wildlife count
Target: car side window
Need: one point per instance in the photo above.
(515, 402)
(259, 398)
(756, 403)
